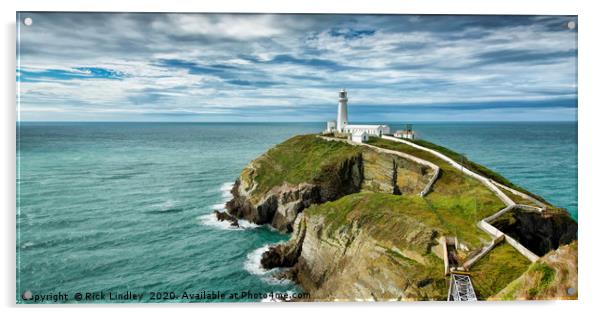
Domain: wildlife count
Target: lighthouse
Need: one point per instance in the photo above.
(355, 132)
(342, 114)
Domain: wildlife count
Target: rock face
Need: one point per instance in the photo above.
(392, 174)
(350, 264)
(280, 206)
(366, 170)
(539, 232)
(286, 255)
(224, 216)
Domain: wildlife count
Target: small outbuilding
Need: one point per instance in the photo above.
(359, 137)
(406, 133)
(331, 126)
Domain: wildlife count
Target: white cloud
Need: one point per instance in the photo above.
(227, 62)
(241, 27)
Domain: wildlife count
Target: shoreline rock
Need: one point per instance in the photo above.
(225, 216)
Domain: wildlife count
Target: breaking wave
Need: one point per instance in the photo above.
(253, 266)
(211, 220)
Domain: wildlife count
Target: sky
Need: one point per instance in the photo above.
(271, 67)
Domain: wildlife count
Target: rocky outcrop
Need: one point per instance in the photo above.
(280, 206)
(224, 216)
(540, 232)
(286, 255)
(389, 173)
(350, 264)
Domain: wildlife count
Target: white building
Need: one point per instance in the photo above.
(343, 126)
(359, 137)
(373, 130)
(405, 134)
(331, 126)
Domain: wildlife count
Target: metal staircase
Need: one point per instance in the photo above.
(460, 288)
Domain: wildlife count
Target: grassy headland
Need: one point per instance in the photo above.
(302, 158)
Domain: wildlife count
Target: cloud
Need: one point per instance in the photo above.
(224, 26)
(289, 67)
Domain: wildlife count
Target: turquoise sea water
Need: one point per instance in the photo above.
(118, 207)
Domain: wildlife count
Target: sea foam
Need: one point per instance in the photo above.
(253, 266)
(211, 220)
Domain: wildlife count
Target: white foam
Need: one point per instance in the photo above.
(253, 266)
(253, 262)
(245, 224)
(220, 206)
(226, 196)
(225, 189)
(211, 220)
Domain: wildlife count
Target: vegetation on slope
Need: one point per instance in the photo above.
(457, 200)
(302, 158)
(497, 269)
(519, 199)
(403, 228)
(480, 169)
(554, 276)
(410, 223)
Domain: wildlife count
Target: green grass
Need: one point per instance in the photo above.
(458, 200)
(396, 218)
(539, 274)
(497, 269)
(480, 169)
(546, 277)
(299, 159)
(385, 216)
(518, 199)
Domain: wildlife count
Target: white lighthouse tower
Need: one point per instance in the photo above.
(355, 132)
(342, 114)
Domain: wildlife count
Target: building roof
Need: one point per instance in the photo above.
(364, 126)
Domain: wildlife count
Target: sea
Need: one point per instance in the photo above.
(118, 208)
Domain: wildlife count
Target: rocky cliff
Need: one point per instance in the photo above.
(281, 204)
(355, 260)
(540, 232)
